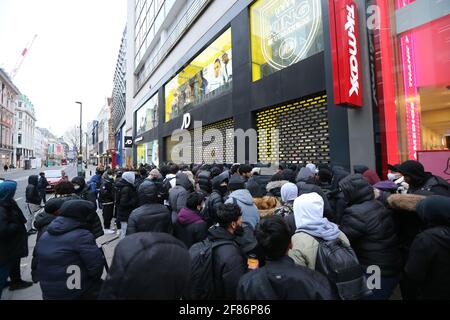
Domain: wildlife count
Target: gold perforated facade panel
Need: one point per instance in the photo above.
(303, 131)
(227, 143)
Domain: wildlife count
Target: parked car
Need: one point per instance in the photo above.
(53, 177)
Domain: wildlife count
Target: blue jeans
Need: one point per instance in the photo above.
(4, 274)
(388, 285)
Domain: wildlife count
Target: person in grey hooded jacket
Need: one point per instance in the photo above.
(178, 194)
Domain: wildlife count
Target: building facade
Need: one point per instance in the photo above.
(40, 145)
(339, 81)
(118, 103)
(8, 101)
(24, 128)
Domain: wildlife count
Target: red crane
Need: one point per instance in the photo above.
(22, 57)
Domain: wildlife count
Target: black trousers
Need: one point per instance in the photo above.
(14, 273)
(108, 211)
(43, 195)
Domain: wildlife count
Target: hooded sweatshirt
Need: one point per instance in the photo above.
(129, 177)
(244, 200)
(289, 192)
(188, 216)
(308, 213)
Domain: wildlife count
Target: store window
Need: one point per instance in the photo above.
(423, 88)
(148, 153)
(284, 32)
(207, 76)
(147, 115)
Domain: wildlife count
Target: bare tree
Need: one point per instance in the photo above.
(72, 137)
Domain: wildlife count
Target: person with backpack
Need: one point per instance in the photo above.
(106, 198)
(289, 193)
(190, 227)
(147, 266)
(218, 262)
(178, 194)
(150, 216)
(126, 199)
(68, 243)
(428, 265)
(369, 226)
(280, 278)
(216, 198)
(319, 245)
(33, 200)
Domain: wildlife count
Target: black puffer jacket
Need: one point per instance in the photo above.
(284, 280)
(31, 192)
(204, 181)
(13, 235)
(126, 199)
(147, 266)
(229, 264)
(178, 194)
(429, 257)
(434, 185)
(369, 227)
(85, 193)
(215, 199)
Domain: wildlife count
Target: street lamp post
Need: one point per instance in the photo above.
(81, 172)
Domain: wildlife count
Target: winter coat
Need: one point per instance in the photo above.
(244, 200)
(190, 228)
(434, 185)
(305, 247)
(42, 184)
(147, 266)
(13, 235)
(369, 226)
(126, 199)
(153, 217)
(106, 192)
(204, 181)
(215, 199)
(266, 205)
(68, 242)
(428, 263)
(229, 264)
(89, 195)
(261, 180)
(178, 194)
(31, 192)
(283, 280)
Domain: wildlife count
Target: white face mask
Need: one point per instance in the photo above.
(76, 187)
(392, 176)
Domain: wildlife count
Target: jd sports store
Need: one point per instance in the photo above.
(265, 65)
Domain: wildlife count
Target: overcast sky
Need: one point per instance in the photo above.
(72, 59)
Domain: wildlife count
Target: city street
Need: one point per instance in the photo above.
(21, 176)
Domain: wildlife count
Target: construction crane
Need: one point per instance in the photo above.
(22, 57)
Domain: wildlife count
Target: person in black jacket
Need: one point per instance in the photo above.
(428, 265)
(84, 191)
(229, 259)
(68, 254)
(13, 237)
(106, 198)
(151, 216)
(178, 194)
(143, 174)
(421, 182)
(42, 186)
(281, 278)
(190, 226)
(147, 266)
(126, 199)
(369, 226)
(216, 198)
(64, 191)
(33, 200)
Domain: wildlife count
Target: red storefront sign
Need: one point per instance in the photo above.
(345, 48)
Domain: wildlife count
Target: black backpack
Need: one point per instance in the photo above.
(166, 186)
(201, 282)
(338, 262)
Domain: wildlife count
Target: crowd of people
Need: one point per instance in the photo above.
(229, 232)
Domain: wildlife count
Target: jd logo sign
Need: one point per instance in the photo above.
(289, 29)
(186, 121)
(128, 142)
